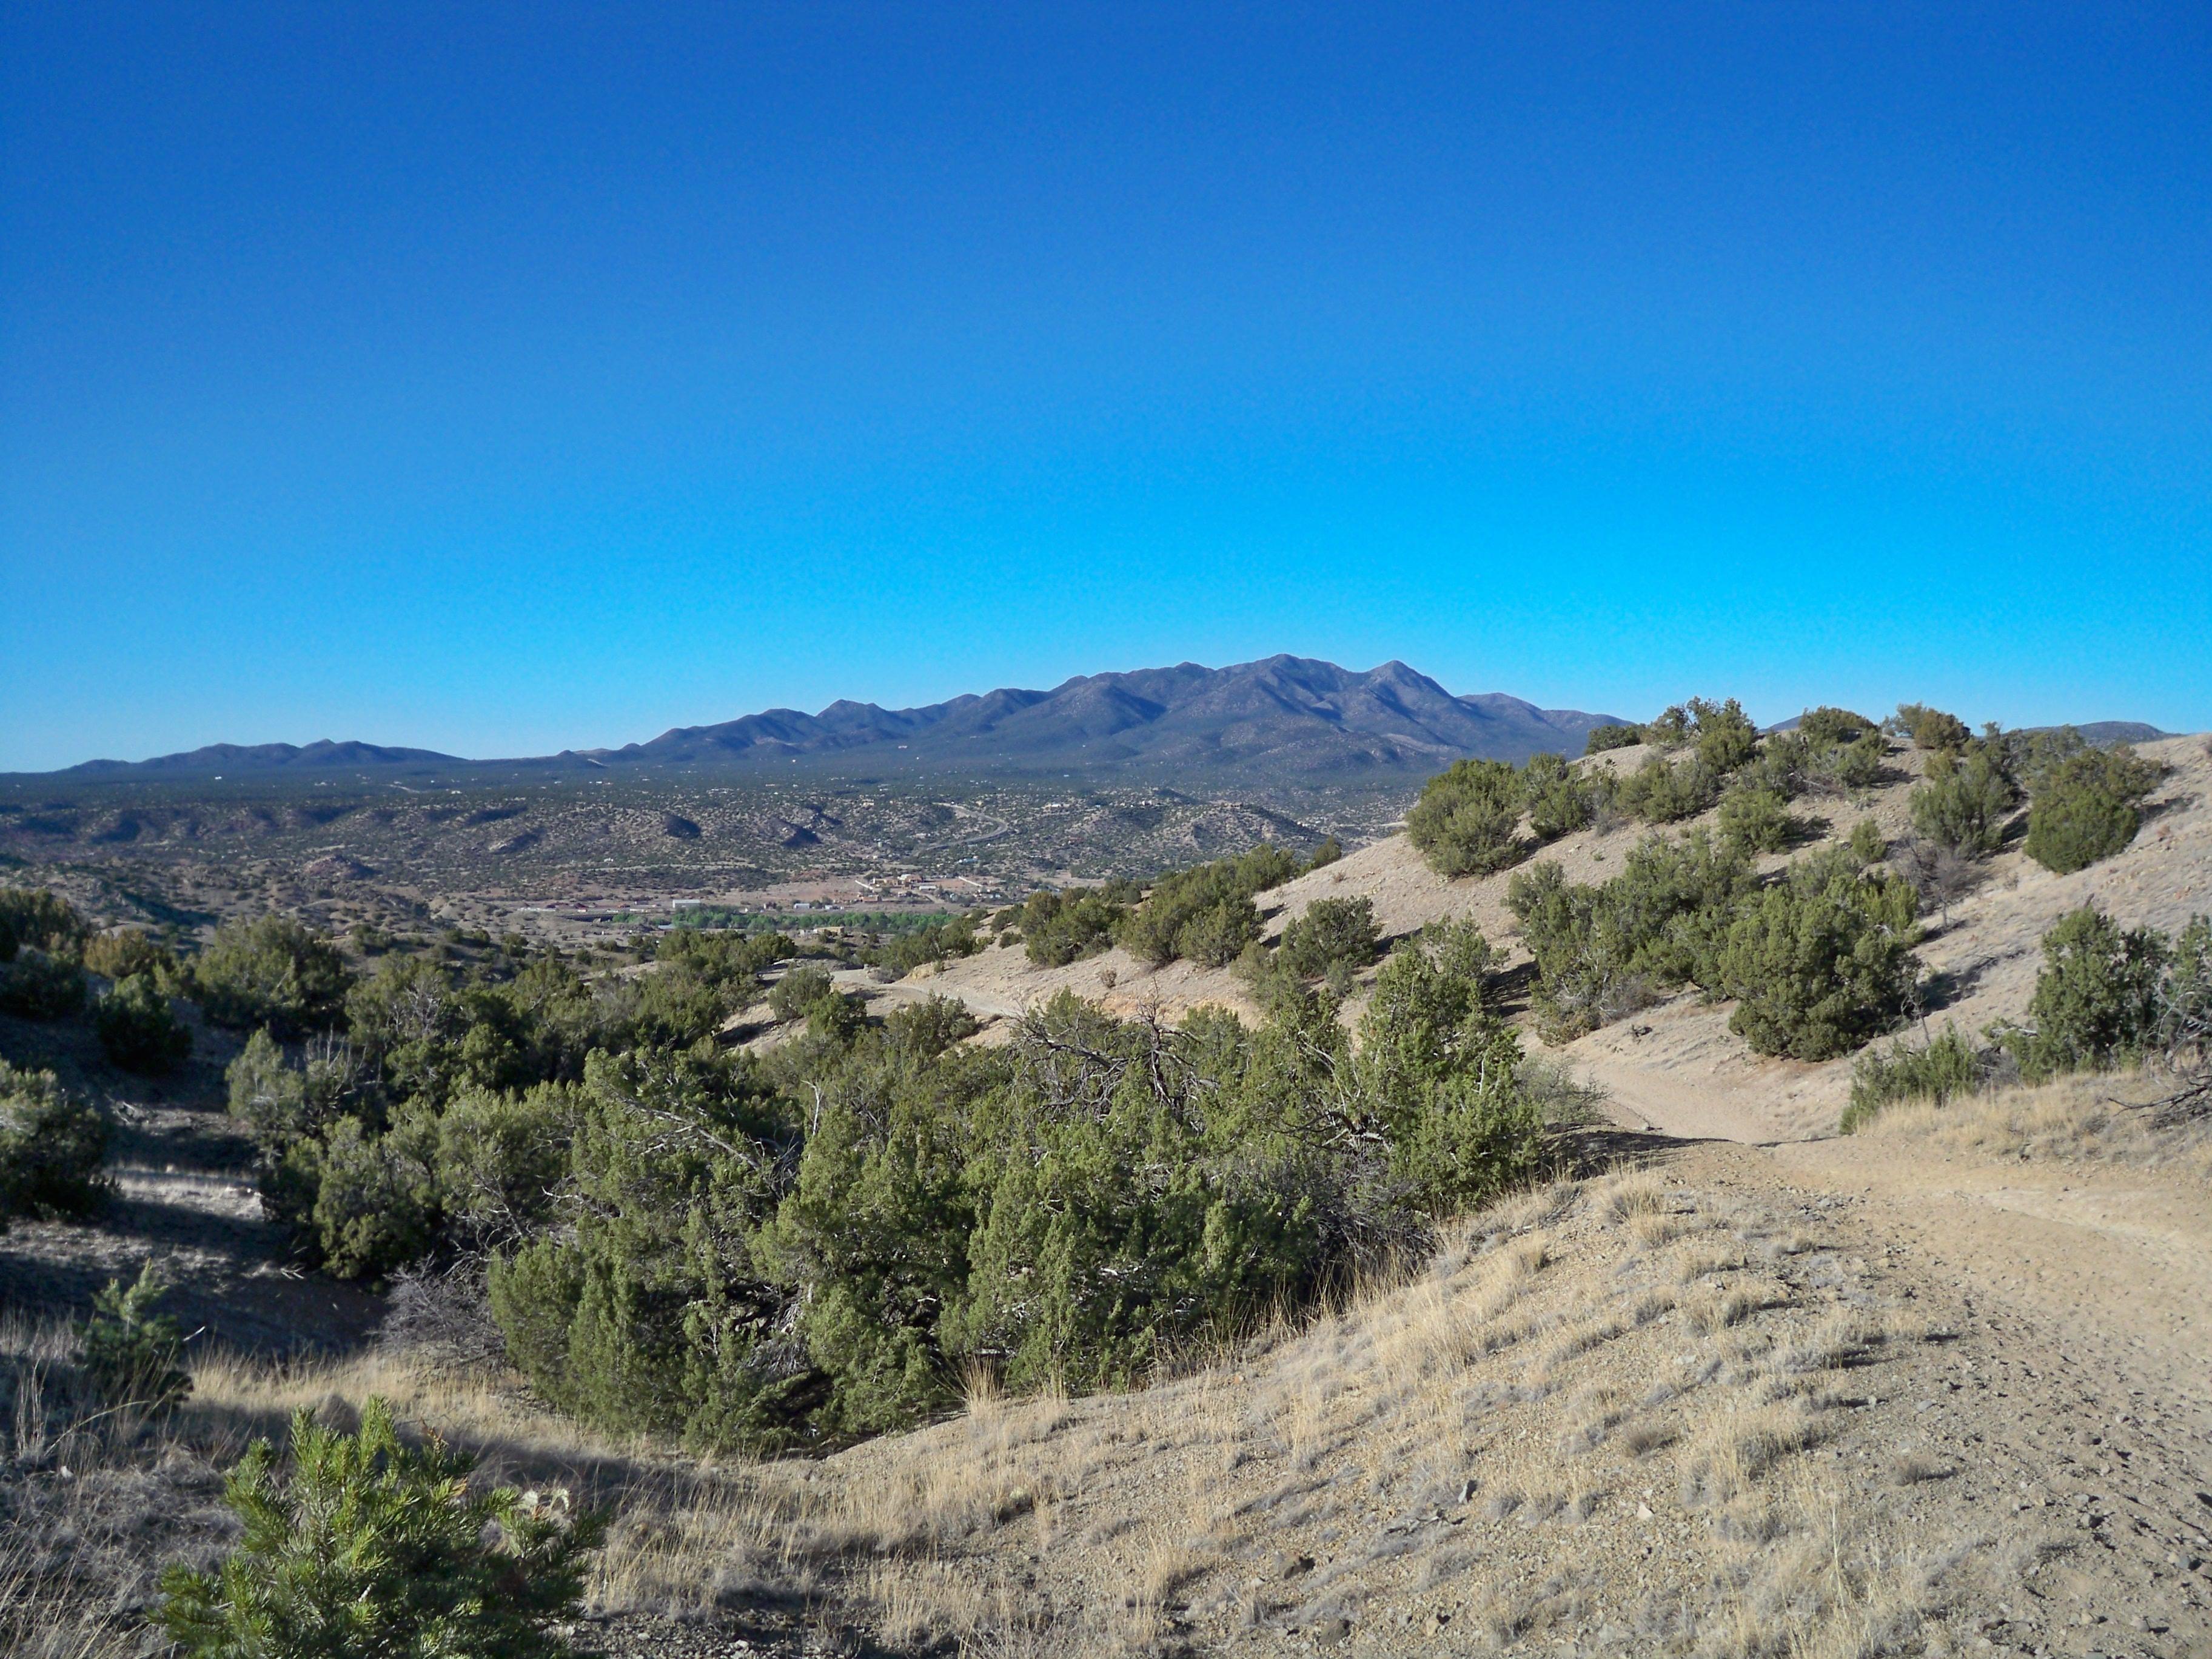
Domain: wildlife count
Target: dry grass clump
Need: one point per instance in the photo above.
(1702, 1257)
(1738, 1446)
(2089, 1116)
(1910, 1468)
(1718, 1308)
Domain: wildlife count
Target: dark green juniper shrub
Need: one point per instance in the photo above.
(1867, 843)
(271, 972)
(944, 941)
(1206, 913)
(1966, 796)
(2185, 1031)
(1662, 791)
(1723, 734)
(1931, 728)
(368, 1545)
(643, 1308)
(132, 1352)
(1058, 928)
(1330, 931)
(2098, 1000)
(51, 1144)
(1827, 728)
(1466, 819)
(376, 1195)
(1604, 738)
(1558, 797)
(38, 985)
(1603, 952)
(1938, 1070)
(1754, 819)
(2087, 807)
(793, 996)
(138, 1030)
(119, 955)
(40, 919)
(1820, 961)
(814, 1245)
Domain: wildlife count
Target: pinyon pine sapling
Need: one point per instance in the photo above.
(130, 1351)
(368, 1547)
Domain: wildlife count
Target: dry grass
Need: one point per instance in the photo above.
(2090, 1117)
(1414, 1445)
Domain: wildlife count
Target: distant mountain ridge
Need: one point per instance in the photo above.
(1274, 720)
(1286, 713)
(1269, 720)
(268, 758)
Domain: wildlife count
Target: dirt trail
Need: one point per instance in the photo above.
(2112, 1262)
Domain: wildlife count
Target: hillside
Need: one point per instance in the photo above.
(1258, 722)
(1676, 1066)
(1936, 1388)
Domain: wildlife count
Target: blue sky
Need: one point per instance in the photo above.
(497, 379)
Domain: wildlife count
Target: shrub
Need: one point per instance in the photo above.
(277, 1103)
(39, 986)
(119, 955)
(1174, 920)
(1931, 728)
(1827, 728)
(2097, 1000)
(646, 1309)
(1754, 819)
(500, 1159)
(1965, 800)
(131, 1351)
(1465, 820)
(1848, 768)
(2185, 1001)
(793, 996)
(2087, 808)
(376, 1207)
(138, 1028)
(926, 1029)
(1603, 738)
(1822, 960)
(51, 1148)
(1331, 931)
(944, 941)
(1603, 951)
(1558, 796)
(1938, 1070)
(1724, 735)
(716, 956)
(1661, 791)
(36, 917)
(271, 971)
(1058, 928)
(1217, 935)
(371, 1546)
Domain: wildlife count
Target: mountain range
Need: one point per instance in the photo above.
(1283, 719)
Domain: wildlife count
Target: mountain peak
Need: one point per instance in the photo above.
(1279, 719)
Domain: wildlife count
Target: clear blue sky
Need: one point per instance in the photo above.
(502, 378)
